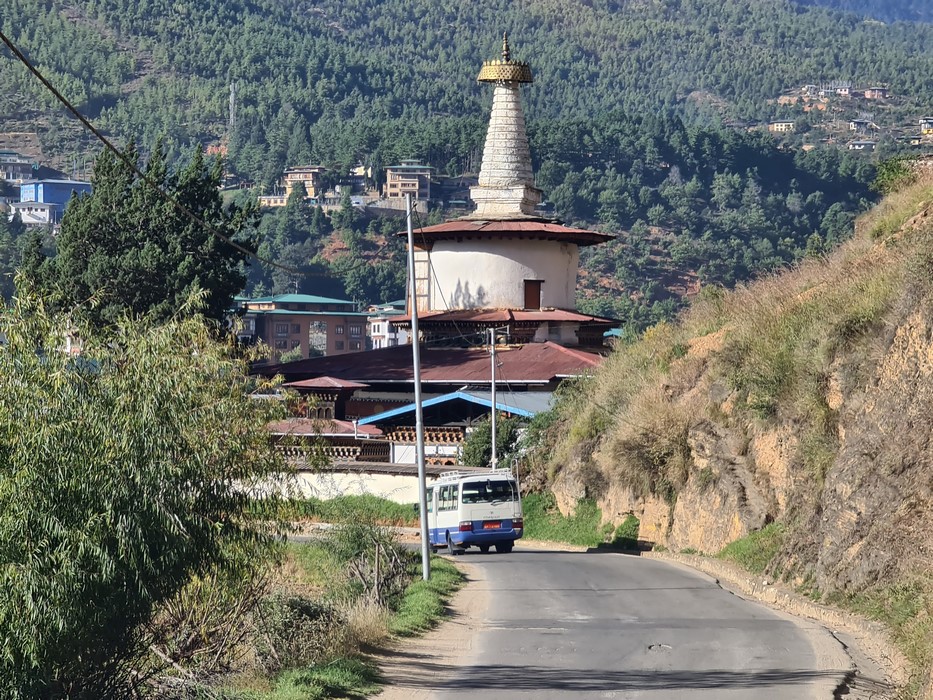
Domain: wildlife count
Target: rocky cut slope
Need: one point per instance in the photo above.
(793, 416)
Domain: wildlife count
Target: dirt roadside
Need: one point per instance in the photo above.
(412, 668)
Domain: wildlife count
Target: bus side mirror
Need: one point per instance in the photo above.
(415, 507)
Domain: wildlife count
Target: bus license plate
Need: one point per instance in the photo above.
(492, 525)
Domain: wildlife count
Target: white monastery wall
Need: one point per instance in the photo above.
(478, 274)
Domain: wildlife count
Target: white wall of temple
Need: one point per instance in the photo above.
(483, 274)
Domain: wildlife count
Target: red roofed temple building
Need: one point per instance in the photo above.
(503, 267)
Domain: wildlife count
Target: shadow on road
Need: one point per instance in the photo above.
(532, 678)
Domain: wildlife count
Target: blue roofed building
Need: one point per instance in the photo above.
(43, 202)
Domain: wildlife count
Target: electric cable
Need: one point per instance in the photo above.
(128, 162)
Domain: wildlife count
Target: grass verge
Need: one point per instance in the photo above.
(422, 605)
(365, 508)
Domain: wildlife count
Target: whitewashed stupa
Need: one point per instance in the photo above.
(504, 265)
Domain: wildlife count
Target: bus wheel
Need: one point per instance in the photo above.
(504, 547)
(484, 548)
(450, 547)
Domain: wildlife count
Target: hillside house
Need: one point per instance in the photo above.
(926, 126)
(312, 324)
(862, 126)
(876, 93)
(310, 176)
(382, 334)
(411, 176)
(862, 145)
(43, 202)
(15, 167)
(781, 126)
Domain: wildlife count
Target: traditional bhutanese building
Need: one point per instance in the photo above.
(504, 265)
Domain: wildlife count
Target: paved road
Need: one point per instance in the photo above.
(590, 625)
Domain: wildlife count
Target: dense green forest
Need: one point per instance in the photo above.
(628, 118)
(885, 10)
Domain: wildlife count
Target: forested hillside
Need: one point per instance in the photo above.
(885, 10)
(627, 115)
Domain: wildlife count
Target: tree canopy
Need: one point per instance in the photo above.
(124, 472)
(125, 248)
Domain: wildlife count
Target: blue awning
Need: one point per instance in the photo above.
(525, 404)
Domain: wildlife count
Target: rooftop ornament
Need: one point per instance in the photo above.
(506, 70)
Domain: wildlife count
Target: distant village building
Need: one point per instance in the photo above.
(782, 126)
(43, 202)
(309, 176)
(382, 334)
(312, 324)
(15, 167)
(411, 176)
(876, 93)
(926, 126)
(862, 126)
(862, 145)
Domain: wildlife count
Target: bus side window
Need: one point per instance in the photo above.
(430, 500)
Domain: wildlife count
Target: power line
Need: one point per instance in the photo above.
(128, 162)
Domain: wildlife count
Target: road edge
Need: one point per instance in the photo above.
(879, 668)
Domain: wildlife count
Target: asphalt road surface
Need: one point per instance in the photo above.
(593, 625)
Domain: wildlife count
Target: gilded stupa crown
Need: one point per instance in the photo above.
(506, 70)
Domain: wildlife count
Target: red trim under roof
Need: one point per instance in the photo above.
(503, 316)
(548, 229)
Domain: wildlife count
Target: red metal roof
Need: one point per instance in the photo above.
(325, 383)
(548, 229)
(537, 363)
(309, 426)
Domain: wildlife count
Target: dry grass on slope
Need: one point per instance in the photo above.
(773, 344)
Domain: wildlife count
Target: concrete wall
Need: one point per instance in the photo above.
(476, 274)
(400, 489)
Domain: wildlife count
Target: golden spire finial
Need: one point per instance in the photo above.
(506, 70)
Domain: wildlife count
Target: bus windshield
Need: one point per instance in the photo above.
(488, 491)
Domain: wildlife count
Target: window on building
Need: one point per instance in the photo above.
(296, 328)
(354, 345)
(338, 345)
(281, 345)
(296, 344)
(338, 330)
(281, 329)
(356, 330)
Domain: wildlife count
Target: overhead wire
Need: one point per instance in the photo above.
(129, 163)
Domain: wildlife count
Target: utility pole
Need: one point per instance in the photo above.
(419, 416)
(492, 392)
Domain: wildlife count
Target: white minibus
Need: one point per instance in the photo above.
(469, 509)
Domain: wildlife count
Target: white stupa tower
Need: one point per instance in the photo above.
(504, 265)
(506, 181)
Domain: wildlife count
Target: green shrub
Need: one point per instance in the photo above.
(296, 631)
(626, 535)
(756, 550)
(543, 521)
